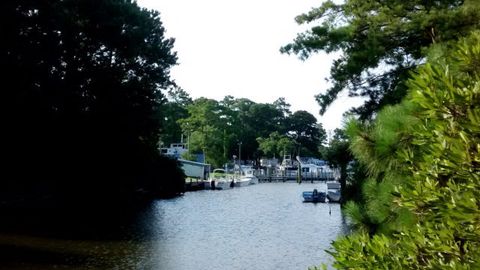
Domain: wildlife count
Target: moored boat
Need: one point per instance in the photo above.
(220, 180)
(242, 182)
(250, 176)
(253, 180)
(334, 192)
(314, 196)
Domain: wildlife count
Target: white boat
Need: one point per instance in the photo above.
(334, 192)
(253, 180)
(242, 181)
(334, 196)
(248, 174)
(316, 168)
(288, 164)
(220, 180)
(224, 184)
(245, 177)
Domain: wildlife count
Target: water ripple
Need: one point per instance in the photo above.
(265, 226)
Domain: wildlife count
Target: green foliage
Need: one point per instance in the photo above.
(375, 143)
(189, 156)
(282, 105)
(429, 186)
(204, 126)
(303, 128)
(174, 110)
(218, 127)
(338, 155)
(381, 41)
(81, 97)
(275, 144)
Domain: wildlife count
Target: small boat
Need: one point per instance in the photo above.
(242, 182)
(314, 196)
(250, 176)
(245, 177)
(253, 180)
(219, 179)
(334, 196)
(334, 192)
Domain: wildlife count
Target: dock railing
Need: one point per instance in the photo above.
(292, 175)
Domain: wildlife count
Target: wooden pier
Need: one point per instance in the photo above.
(307, 173)
(293, 177)
(194, 184)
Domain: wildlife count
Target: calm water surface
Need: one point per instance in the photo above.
(264, 226)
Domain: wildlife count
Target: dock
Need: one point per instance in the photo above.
(305, 177)
(194, 184)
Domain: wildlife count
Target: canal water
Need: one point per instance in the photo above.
(264, 226)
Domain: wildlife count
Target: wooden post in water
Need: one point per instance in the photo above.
(299, 173)
(239, 155)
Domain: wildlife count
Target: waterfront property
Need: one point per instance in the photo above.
(219, 179)
(176, 150)
(194, 169)
(275, 175)
(300, 169)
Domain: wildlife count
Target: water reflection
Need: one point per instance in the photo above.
(265, 226)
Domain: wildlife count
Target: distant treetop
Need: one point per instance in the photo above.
(381, 41)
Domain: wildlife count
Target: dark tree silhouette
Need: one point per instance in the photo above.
(81, 100)
(381, 43)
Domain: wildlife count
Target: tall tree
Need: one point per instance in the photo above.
(338, 155)
(251, 120)
(174, 109)
(381, 41)
(204, 126)
(82, 80)
(284, 107)
(235, 127)
(433, 147)
(307, 133)
(276, 144)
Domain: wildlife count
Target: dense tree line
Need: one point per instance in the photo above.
(419, 207)
(82, 101)
(381, 43)
(414, 194)
(220, 129)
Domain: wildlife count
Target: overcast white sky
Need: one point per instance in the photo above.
(231, 47)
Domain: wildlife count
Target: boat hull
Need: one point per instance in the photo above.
(221, 185)
(310, 196)
(253, 180)
(334, 196)
(242, 182)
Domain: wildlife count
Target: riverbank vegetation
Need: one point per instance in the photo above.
(88, 100)
(420, 206)
(81, 103)
(417, 137)
(220, 129)
(381, 42)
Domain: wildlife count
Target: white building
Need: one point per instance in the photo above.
(175, 150)
(195, 169)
